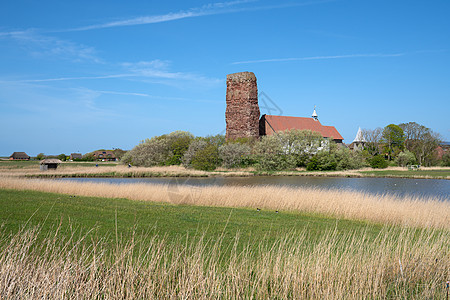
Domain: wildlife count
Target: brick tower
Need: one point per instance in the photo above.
(242, 114)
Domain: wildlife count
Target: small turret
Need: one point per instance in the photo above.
(314, 114)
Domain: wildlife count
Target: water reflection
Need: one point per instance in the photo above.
(400, 186)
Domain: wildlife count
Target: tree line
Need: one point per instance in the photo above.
(403, 144)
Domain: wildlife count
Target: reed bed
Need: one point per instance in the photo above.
(403, 264)
(118, 171)
(386, 208)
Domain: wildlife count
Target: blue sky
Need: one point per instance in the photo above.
(76, 76)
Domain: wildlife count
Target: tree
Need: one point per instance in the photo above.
(40, 156)
(288, 149)
(233, 154)
(394, 138)
(421, 141)
(378, 162)
(167, 149)
(373, 140)
(62, 157)
(405, 158)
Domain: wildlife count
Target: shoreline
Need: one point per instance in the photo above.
(337, 174)
(105, 170)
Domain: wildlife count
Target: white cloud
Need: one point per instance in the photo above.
(208, 9)
(40, 45)
(205, 10)
(143, 70)
(319, 58)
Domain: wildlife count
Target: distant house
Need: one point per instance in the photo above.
(19, 156)
(442, 149)
(74, 156)
(49, 164)
(104, 155)
(269, 125)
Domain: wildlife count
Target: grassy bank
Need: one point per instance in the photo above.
(387, 209)
(91, 247)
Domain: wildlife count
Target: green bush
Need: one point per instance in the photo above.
(270, 154)
(196, 145)
(178, 144)
(206, 159)
(405, 158)
(234, 155)
(322, 161)
(287, 150)
(446, 160)
(166, 149)
(378, 162)
(203, 153)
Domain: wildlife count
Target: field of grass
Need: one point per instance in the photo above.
(426, 173)
(61, 239)
(164, 219)
(89, 247)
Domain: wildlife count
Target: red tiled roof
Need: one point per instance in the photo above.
(281, 123)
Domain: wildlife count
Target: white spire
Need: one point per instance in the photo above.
(314, 114)
(359, 136)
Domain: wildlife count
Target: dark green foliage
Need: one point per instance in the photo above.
(336, 158)
(179, 142)
(206, 159)
(378, 162)
(446, 159)
(62, 157)
(393, 138)
(203, 153)
(88, 157)
(322, 161)
(40, 156)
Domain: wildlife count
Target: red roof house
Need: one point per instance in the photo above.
(269, 125)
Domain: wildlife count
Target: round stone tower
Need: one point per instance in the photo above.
(242, 114)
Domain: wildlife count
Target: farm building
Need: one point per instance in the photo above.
(49, 164)
(104, 155)
(242, 114)
(19, 156)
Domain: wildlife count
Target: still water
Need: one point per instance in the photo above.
(436, 188)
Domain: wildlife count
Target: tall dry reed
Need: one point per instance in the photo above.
(388, 209)
(403, 264)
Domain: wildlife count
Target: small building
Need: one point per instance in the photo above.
(76, 156)
(49, 164)
(359, 142)
(104, 155)
(19, 156)
(442, 149)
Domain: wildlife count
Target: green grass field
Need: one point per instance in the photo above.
(96, 248)
(444, 173)
(172, 221)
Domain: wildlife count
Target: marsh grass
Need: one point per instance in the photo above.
(384, 209)
(397, 263)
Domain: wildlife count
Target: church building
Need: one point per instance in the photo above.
(243, 115)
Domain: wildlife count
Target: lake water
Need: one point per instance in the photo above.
(437, 188)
